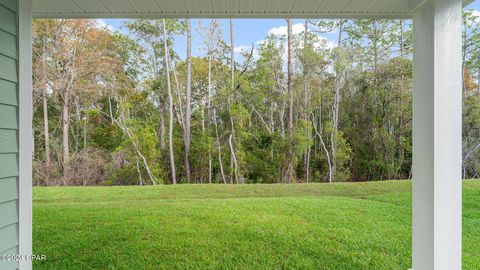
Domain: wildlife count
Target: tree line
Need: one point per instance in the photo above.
(126, 109)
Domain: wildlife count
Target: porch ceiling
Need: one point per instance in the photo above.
(224, 8)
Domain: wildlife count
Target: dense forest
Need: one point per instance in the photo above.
(126, 109)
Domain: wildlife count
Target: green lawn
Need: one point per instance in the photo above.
(303, 226)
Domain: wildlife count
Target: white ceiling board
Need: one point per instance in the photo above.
(65, 5)
(90, 6)
(260, 5)
(382, 6)
(178, 6)
(221, 8)
(404, 6)
(299, 5)
(284, 6)
(194, 6)
(232, 6)
(397, 6)
(46, 7)
(340, 5)
(246, 6)
(164, 7)
(325, 6)
(146, 6)
(358, 5)
(119, 6)
(206, 6)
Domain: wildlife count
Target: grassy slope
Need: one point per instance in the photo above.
(310, 226)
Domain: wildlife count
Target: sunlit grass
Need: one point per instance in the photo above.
(306, 226)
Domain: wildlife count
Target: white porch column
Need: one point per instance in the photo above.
(25, 137)
(437, 138)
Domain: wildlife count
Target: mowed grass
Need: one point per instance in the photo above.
(300, 226)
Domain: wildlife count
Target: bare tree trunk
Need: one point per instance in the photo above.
(478, 80)
(120, 123)
(271, 115)
(170, 104)
(189, 102)
(307, 166)
(233, 158)
(140, 182)
(218, 146)
(209, 94)
(232, 57)
(85, 141)
(125, 130)
(282, 117)
(322, 142)
(334, 132)
(79, 120)
(306, 155)
(335, 108)
(289, 78)
(66, 119)
(179, 112)
(464, 59)
(202, 111)
(209, 167)
(65, 130)
(290, 171)
(110, 110)
(340, 32)
(162, 125)
(46, 130)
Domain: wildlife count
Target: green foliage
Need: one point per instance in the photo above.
(343, 158)
(102, 135)
(146, 139)
(352, 103)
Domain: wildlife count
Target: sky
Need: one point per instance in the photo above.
(246, 31)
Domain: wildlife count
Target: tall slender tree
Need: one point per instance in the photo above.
(44, 86)
(336, 102)
(213, 38)
(290, 76)
(290, 168)
(170, 104)
(231, 139)
(188, 110)
(306, 155)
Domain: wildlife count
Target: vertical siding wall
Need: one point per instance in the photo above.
(8, 130)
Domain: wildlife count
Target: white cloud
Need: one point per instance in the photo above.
(325, 43)
(260, 42)
(102, 24)
(321, 43)
(282, 30)
(238, 50)
(476, 13)
(242, 48)
(300, 28)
